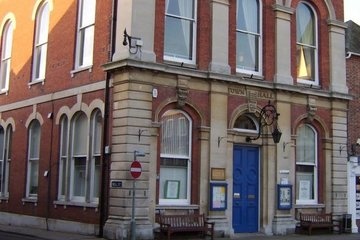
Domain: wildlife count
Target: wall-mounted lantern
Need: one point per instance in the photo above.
(268, 117)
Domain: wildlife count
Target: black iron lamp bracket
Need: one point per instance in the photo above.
(268, 116)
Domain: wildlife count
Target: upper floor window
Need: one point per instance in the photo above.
(6, 47)
(248, 37)
(180, 31)
(41, 42)
(5, 153)
(306, 44)
(85, 33)
(33, 159)
(175, 158)
(306, 165)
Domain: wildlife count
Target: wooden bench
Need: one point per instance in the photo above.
(170, 224)
(310, 221)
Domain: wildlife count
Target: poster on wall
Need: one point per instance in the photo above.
(304, 190)
(284, 196)
(218, 196)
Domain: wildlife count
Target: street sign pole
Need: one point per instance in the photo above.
(135, 171)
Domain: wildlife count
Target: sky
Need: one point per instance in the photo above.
(352, 10)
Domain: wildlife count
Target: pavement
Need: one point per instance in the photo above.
(42, 234)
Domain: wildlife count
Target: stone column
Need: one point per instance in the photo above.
(132, 131)
(220, 37)
(138, 18)
(283, 44)
(337, 57)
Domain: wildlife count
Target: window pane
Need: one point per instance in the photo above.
(305, 62)
(87, 13)
(247, 51)
(178, 38)
(183, 8)
(97, 175)
(34, 176)
(248, 16)
(43, 25)
(245, 122)
(97, 123)
(86, 46)
(175, 134)
(305, 183)
(173, 170)
(34, 140)
(305, 30)
(305, 145)
(2, 142)
(79, 176)
(80, 135)
(62, 175)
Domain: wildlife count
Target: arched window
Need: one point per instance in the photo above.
(5, 153)
(306, 165)
(306, 44)
(248, 37)
(80, 156)
(6, 47)
(246, 123)
(40, 44)
(175, 157)
(180, 31)
(33, 159)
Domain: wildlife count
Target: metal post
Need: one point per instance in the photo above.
(133, 223)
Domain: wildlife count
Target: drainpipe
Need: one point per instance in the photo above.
(103, 202)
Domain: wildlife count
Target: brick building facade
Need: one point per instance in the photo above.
(53, 94)
(190, 86)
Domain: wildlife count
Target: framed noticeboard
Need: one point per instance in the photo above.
(284, 196)
(218, 196)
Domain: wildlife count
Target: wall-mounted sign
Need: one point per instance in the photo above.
(218, 174)
(116, 184)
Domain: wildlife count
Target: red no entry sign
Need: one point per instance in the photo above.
(135, 169)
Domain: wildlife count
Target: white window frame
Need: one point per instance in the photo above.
(315, 171)
(32, 160)
(174, 58)
(63, 159)
(244, 130)
(85, 49)
(5, 159)
(67, 156)
(6, 54)
(257, 34)
(315, 47)
(41, 43)
(163, 201)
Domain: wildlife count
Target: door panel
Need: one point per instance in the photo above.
(246, 189)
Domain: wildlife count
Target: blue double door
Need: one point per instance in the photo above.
(245, 212)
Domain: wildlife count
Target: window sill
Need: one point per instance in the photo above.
(4, 199)
(81, 69)
(34, 82)
(180, 64)
(310, 205)
(175, 207)
(76, 204)
(30, 200)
